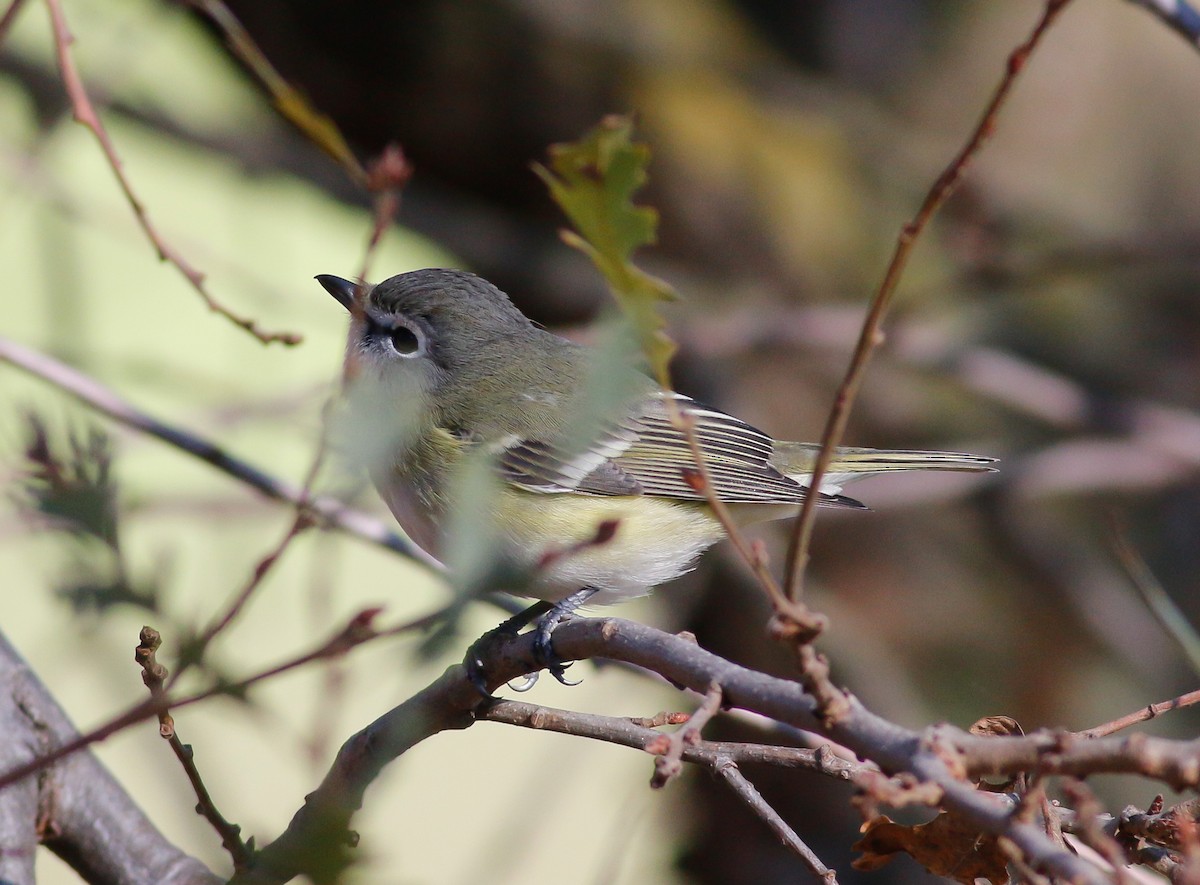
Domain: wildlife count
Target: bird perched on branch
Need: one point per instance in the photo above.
(598, 498)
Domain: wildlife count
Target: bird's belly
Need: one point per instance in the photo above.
(655, 540)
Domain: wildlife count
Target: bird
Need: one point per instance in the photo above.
(592, 507)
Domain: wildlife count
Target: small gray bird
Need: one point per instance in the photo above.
(469, 372)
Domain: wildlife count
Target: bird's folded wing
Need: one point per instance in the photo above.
(645, 454)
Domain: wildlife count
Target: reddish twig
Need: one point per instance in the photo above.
(871, 335)
(10, 16)
(303, 520)
(85, 114)
(605, 531)
(668, 748)
(698, 479)
(386, 178)
(357, 631)
(793, 622)
(261, 569)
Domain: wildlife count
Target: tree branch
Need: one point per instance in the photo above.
(358, 630)
(154, 675)
(85, 114)
(95, 395)
(630, 733)
(748, 793)
(942, 759)
(871, 336)
(79, 811)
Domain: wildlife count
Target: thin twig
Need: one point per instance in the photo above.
(793, 622)
(668, 748)
(85, 114)
(100, 398)
(1145, 714)
(261, 569)
(289, 101)
(1169, 616)
(386, 178)
(871, 335)
(154, 675)
(685, 423)
(636, 734)
(748, 793)
(1088, 828)
(357, 631)
(10, 16)
(302, 521)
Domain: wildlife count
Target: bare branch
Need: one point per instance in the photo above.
(85, 114)
(1145, 714)
(357, 631)
(669, 747)
(80, 812)
(636, 734)
(95, 395)
(871, 336)
(288, 100)
(154, 675)
(940, 759)
(1088, 827)
(746, 791)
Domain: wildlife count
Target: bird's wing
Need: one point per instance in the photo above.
(643, 453)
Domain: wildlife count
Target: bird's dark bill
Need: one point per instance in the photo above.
(341, 289)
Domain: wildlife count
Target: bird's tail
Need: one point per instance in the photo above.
(796, 460)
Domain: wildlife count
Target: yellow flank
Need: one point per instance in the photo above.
(657, 539)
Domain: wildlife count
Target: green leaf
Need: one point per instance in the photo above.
(593, 180)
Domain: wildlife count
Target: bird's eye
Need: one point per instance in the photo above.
(404, 341)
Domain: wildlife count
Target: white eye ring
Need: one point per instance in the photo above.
(405, 341)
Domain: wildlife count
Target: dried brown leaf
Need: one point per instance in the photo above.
(946, 846)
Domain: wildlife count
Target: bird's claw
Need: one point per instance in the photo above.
(543, 647)
(528, 682)
(545, 656)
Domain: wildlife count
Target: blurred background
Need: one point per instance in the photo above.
(1049, 318)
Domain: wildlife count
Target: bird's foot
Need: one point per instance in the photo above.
(543, 644)
(548, 616)
(483, 647)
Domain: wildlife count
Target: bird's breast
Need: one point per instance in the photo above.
(554, 537)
